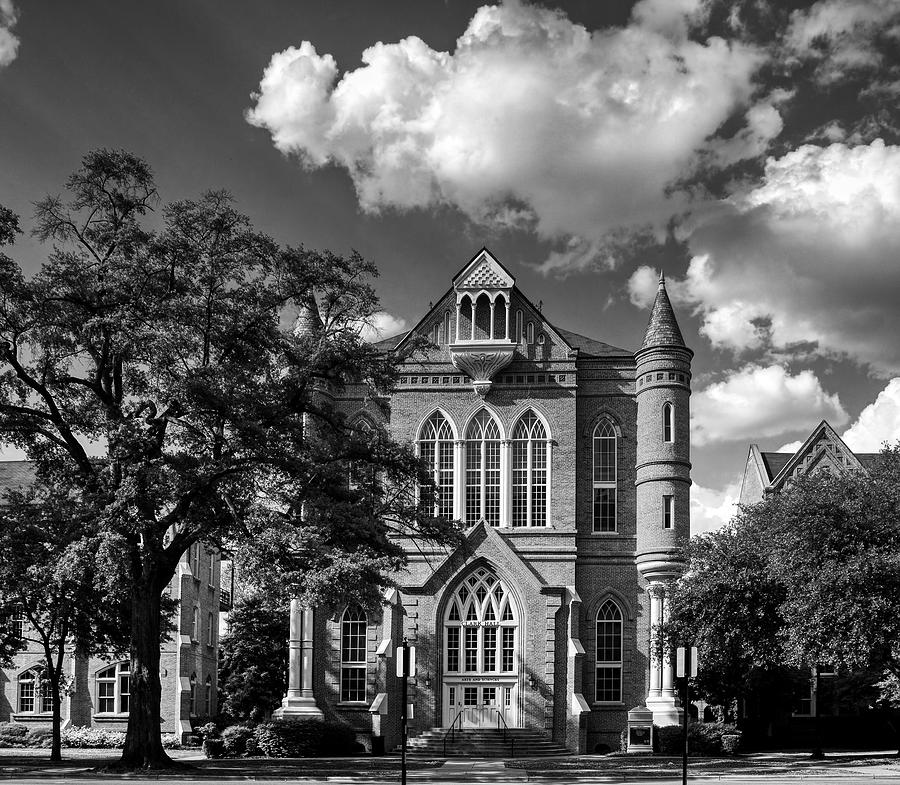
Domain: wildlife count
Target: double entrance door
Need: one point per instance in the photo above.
(481, 704)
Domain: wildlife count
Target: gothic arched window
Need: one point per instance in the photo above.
(353, 655)
(436, 452)
(668, 422)
(605, 449)
(483, 470)
(608, 687)
(529, 472)
(480, 624)
(361, 474)
(34, 698)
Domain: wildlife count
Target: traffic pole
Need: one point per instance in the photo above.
(404, 653)
(687, 677)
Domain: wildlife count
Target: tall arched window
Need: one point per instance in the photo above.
(609, 654)
(114, 689)
(353, 655)
(529, 333)
(361, 474)
(483, 470)
(480, 624)
(447, 327)
(605, 449)
(668, 422)
(518, 327)
(436, 452)
(529, 472)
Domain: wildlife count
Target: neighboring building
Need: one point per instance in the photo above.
(788, 717)
(100, 686)
(569, 461)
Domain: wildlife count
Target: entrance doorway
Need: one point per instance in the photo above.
(481, 654)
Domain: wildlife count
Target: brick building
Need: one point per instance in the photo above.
(569, 461)
(99, 686)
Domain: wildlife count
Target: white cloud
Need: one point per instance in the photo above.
(878, 423)
(9, 44)
(840, 35)
(580, 132)
(806, 258)
(758, 402)
(712, 508)
(382, 325)
(642, 287)
(790, 447)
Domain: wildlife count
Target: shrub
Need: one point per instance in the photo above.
(209, 730)
(39, 737)
(704, 738)
(731, 742)
(213, 747)
(304, 738)
(12, 734)
(98, 738)
(170, 741)
(239, 741)
(623, 740)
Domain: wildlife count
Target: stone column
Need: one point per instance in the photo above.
(300, 701)
(505, 483)
(661, 695)
(459, 480)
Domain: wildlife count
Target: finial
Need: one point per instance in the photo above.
(662, 279)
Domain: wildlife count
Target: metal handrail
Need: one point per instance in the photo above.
(506, 736)
(450, 731)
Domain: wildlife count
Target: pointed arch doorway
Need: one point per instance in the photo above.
(481, 654)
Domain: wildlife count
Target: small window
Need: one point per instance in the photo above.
(192, 704)
(212, 567)
(195, 625)
(195, 560)
(541, 339)
(668, 422)
(210, 630)
(668, 511)
(114, 689)
(207, 697)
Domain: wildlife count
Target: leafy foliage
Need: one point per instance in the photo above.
(809, 575)
(172, 354)
(254, 656)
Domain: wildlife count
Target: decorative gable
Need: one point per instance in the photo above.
(824, 450)
(483, 272)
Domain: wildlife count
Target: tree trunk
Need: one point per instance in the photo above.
(143, 741)
(56, 742)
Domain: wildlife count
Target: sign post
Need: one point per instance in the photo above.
(406, 667)
(686, 661)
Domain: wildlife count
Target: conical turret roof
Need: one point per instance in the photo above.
(308, 320)
(662, 329)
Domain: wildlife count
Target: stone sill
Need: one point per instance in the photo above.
(614, 705)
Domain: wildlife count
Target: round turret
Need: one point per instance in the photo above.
(663, 466)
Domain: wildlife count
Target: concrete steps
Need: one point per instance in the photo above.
(483, 743)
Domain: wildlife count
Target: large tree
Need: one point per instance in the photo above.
(49, 579)
(809, 575)
(159, 371)
(727, 604)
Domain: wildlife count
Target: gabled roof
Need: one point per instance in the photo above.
(662, 329)
(483, 271)
(823, 447)
(589, 347)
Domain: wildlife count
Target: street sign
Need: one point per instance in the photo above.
(406, 661)
(692, 662)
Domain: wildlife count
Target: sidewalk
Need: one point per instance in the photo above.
(34, 765)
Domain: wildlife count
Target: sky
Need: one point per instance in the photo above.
(747, 149)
